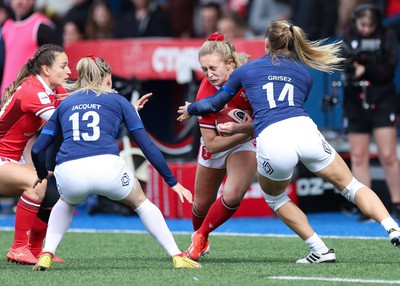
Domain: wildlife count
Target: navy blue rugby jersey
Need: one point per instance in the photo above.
(277, 89)
(89, 124)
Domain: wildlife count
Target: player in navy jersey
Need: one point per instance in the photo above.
(217, 157)
(277, 87)
(88, 161)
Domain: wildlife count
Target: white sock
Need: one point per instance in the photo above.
(315, 243)
(389, 223)
(153, 220)
(59, 222)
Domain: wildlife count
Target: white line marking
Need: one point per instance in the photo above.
(216, 233)
(372, 281)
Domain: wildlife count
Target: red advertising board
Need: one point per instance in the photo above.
(151, 59)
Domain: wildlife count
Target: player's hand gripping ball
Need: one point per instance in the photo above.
(229, 114)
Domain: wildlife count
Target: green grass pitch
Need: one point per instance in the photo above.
(136, 259)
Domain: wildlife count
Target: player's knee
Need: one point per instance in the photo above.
(232, 199)
(275, 202)
(350, 191)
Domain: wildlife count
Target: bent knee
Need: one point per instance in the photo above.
(276, 201)
(234, 197)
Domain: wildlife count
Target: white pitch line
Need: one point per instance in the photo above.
(372, 281)
(216, 233)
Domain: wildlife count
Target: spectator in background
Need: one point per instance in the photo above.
(370, 101)
(54, 6)
(262, 12)
(345, 9)
(22, 35)
(181, 13)
(79, 11)
(232, 25)
(101, 21)
(146, 19)
(4, 13)
(317, 18)
(239, 6)
(73, 31)
(208, 15)
(55, 10)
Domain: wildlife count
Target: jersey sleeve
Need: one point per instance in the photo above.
(207, 120)
(218, 100)
(52, 126)
(132, 119)
(153, 155)
(45, 139)
(234, 84)
(36, 101)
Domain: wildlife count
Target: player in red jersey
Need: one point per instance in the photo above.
(233, 156)
(27, 104)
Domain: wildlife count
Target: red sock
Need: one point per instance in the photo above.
(27, 209)
(219, 213)
(37, 235)
(197, 220)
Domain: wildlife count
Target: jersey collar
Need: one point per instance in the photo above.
(46, 87)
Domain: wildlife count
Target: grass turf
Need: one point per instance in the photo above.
(136, 259)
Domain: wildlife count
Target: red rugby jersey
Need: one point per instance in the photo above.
(20, 116)
(240, 101)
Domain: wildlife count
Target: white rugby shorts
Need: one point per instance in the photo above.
(282, 145)
(105, 175)
(218, 160)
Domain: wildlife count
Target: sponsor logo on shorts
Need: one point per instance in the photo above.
(267, 168)
(326, 146)
(59, 189)
(125, 179)
(205, 154)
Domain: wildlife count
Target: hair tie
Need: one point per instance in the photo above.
(291, 28)
(216, 37)
(93, 57)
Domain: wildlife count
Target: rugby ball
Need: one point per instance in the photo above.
(229, 114)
